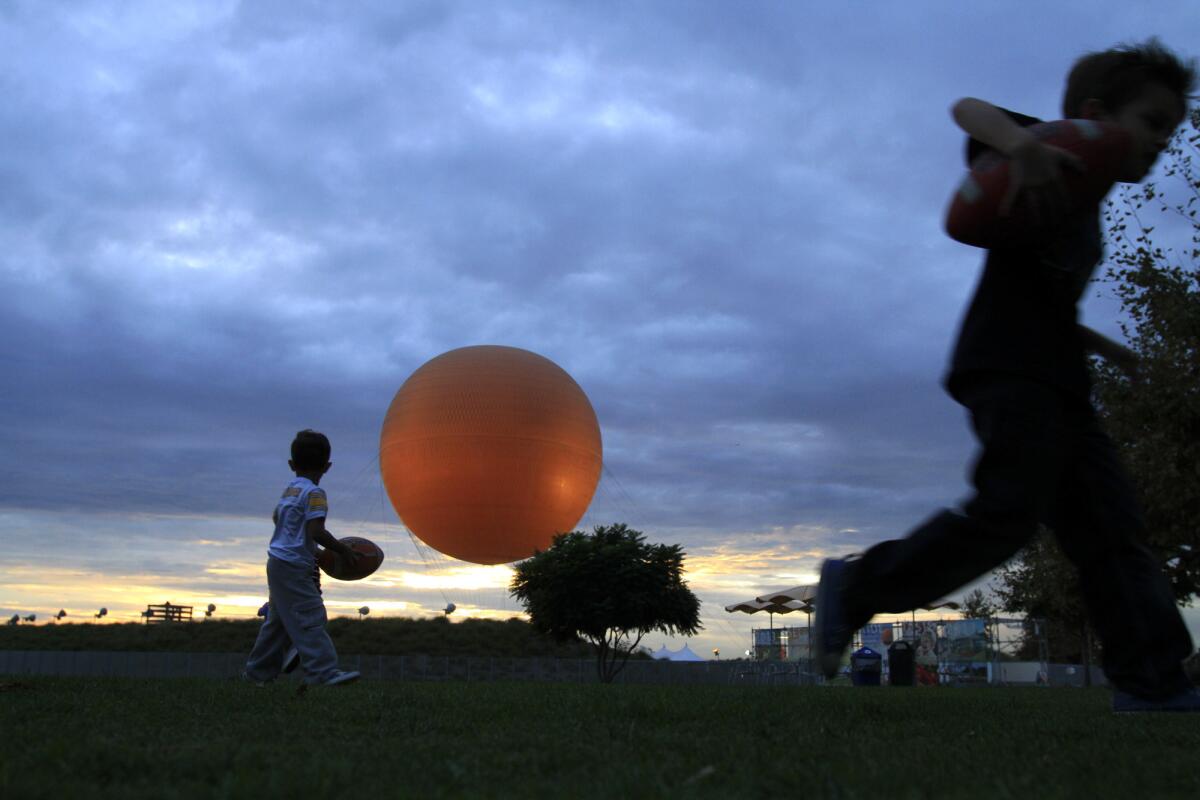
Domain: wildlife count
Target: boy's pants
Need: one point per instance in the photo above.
(1045, 459)
(296, 616)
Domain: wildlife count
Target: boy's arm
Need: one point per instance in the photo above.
(991, 126)
(315, 528)
(1106, 348)
(1036, 167)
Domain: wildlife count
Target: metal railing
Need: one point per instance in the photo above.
(385, 667)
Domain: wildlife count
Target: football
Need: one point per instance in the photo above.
(974, 214)
(369, 559)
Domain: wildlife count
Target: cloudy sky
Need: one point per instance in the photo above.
(223, 222)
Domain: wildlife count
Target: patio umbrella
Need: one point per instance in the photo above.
(804, 594)
(772, 608)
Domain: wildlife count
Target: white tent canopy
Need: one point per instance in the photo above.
(684, 653)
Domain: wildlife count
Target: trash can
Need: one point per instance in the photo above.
(901, 665)
(866, 666)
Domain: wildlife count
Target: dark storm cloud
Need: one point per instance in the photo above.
(223, 223)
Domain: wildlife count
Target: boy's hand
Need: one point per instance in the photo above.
(1036, 179)
(350, 556)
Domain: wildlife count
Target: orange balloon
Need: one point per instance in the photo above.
(487, 452)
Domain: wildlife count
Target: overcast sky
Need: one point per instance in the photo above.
(223, 222)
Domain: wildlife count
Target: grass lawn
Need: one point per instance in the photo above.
(124, 738)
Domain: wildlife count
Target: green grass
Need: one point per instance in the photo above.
(124, 738)
(383, 636)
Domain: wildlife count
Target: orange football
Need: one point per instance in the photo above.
(369, 559)
(974, 214)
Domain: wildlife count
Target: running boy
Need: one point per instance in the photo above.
(1020, 368)
(296, 615)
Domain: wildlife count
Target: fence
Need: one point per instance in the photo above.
(443, 668)
(409, 668)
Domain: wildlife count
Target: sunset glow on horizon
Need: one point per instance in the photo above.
(412, 583)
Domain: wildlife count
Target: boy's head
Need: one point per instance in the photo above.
(1145, 88)
(1118, 76)
(310, 452)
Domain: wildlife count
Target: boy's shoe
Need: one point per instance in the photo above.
(341, 678)
(1126, 703)
(247, 679)
(833, 630)
(291, 660)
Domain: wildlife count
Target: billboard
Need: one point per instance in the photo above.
(965, 640)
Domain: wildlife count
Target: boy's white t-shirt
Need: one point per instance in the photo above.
(302, 500)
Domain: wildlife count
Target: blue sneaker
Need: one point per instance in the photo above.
(1126, 703)
(340, 678)
(833, 630)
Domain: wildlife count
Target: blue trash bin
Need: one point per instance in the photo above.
(866, 667)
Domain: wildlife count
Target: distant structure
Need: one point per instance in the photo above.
(449, 609)
(362, 612)
(167, 613)
(31, 618)
(208, 612)
(14, 619)
(684, 653)
(101, 613)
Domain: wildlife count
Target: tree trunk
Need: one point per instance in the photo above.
(602, 661)
(1087, 654)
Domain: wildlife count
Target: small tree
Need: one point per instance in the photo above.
(977, 604)
(1042, 584)
(1154, 236)
(608, 587)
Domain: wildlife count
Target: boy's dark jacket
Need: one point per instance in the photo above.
(1023, 318)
